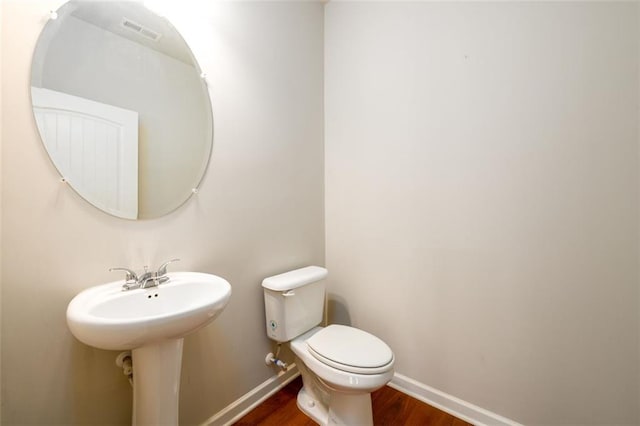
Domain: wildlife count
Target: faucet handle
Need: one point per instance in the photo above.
(130, 277)
(162, 270)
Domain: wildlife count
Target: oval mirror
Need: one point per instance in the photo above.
(121, 107)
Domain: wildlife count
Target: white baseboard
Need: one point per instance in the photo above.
(441, 400)
(240, 407)
(448, 403)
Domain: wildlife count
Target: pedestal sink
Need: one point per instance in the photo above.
(151, 322)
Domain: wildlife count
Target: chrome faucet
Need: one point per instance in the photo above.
(130, 280)
(162, 270)
(147, 279)
(152, 279)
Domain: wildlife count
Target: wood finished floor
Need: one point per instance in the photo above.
(390, 407)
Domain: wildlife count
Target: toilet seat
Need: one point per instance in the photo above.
(350, 349)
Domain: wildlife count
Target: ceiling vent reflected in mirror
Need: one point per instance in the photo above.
(140, 29)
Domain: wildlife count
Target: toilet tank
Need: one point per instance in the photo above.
(294, 302)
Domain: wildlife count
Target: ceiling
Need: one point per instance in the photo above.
(110, 15)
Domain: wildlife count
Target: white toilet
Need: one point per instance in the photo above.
(340, 365)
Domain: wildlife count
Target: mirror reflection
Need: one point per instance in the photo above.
(121, 107)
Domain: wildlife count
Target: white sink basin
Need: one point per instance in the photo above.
(106, 317)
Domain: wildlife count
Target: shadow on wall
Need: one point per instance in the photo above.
(92, 386)
(337, 310)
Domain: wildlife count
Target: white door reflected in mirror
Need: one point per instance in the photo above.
(95, 144)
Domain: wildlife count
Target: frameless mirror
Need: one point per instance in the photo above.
(121, 107)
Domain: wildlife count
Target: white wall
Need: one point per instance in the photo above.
(259, 212)
(482, 198)
(87, 61)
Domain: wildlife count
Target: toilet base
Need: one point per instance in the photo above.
(328, 408)
(343, 409)
(355, 409)
(312, 408)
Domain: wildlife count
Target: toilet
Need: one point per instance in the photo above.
(340, 365)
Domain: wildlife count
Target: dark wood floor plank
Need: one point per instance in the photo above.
(459, 422)
(279, 410)
(390, 408)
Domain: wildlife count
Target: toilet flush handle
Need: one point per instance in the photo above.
(289, 293)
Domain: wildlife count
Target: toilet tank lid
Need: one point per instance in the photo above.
(294, 279)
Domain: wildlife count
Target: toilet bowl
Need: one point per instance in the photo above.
(340, 365)
(354, 372)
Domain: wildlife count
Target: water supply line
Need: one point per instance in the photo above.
(273, 359)
(124, 361)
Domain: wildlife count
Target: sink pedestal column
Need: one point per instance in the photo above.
(156, 383)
